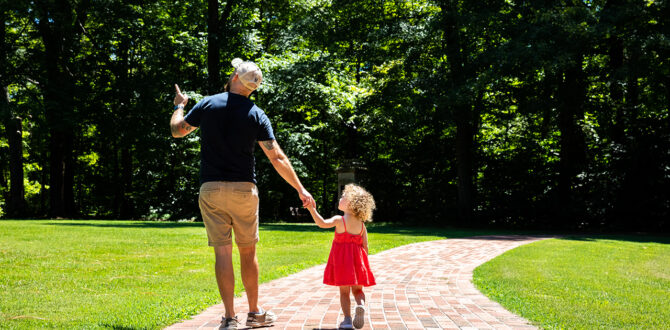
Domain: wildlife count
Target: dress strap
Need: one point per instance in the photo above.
(345, 224)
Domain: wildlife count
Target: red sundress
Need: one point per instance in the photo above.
(348, 261)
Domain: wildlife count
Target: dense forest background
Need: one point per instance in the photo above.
(535, 114)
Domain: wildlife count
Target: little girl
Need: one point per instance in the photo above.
(348, 265)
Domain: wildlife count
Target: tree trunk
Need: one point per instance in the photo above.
(462, 111)
(213, 48)
(56, 174)
(123, 206)
(45, 194)
(61, 174)
(632, 193)
(216, 30)
(4, 185)
(616, 90)
(58, 99)
(611, 16)
(68, 174)
(572, 143)
(464, 164)
(548, 88)
(127, 208)
(16, 204)
(13, 126)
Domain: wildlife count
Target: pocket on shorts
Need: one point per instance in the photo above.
(241, 192)
(240, 196)
(210, 187)
(244, 189)
(245, 200)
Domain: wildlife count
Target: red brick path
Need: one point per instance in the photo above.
(419, 286)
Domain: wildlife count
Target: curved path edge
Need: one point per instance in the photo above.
(425, 285)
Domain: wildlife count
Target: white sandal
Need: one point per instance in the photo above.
(359, 318)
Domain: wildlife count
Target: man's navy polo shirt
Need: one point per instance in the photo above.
(230, 125)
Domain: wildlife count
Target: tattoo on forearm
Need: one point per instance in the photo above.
(268, 145)
(186, 127)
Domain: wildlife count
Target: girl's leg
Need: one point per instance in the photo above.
(359, 319)
(345, 303)
(359, 295)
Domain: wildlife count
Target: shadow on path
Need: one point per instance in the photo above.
(637, 238)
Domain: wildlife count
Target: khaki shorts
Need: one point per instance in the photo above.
(227, 207)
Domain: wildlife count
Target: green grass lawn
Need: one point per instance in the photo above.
(584, 283)
(113, 274)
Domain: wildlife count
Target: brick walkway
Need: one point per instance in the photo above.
(419, 286)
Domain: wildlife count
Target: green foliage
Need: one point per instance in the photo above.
(565, 103)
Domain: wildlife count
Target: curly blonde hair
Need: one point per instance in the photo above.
(360, 201)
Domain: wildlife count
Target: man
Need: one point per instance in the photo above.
(230, 126)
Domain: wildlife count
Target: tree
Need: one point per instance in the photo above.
(12, 123)
(217, 29)
(61, 24)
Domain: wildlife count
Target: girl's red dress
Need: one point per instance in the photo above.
(348, 261)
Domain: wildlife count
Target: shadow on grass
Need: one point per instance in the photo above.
(388, 228)
(127, 224)
(379, 228)
(637, 238)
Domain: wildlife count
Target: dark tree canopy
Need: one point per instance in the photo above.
(536, 114)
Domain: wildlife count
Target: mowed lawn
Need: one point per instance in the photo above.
(584, 283)
(119, 274)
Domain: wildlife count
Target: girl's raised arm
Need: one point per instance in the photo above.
(320, 221)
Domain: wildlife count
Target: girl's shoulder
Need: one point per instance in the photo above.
(338, 220)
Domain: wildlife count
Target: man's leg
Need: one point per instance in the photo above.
(225, 277)
(249, 270)
(244, 208)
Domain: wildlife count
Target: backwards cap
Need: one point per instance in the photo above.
(248, 72)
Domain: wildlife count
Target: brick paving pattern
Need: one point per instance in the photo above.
(419, 286)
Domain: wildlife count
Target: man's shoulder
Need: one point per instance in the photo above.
(258, 113)
(211, 100)
(244, 104)
(216, 98)
(255, 108)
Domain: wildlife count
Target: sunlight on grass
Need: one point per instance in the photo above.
(613, 283)
(100, 274)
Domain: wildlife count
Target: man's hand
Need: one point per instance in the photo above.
(178, 126)
(307, 199)
(180, 98)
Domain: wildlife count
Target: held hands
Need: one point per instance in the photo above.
(180, 98)
(307, 199)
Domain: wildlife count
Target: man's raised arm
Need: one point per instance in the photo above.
(178, 126)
